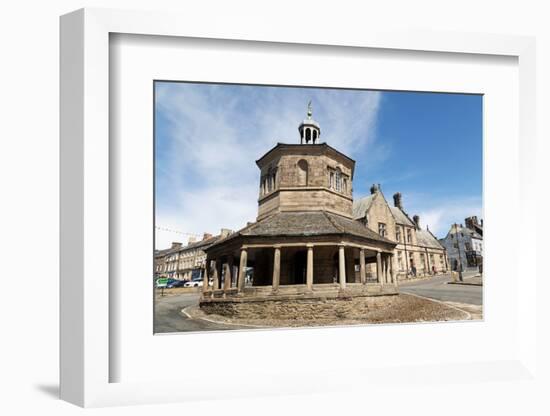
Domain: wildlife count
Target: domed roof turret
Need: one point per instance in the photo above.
(309, 129)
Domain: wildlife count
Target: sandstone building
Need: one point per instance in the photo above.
(185, 262)
(418, 252)
(305, 242)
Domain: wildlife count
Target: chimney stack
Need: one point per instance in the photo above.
(471, 222)
(416, 220)
(206, 236)
(374, 188)
(175, 244)
(397, 200)
(192, 239)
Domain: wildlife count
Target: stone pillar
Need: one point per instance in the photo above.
(362, 267)
(428, 262)
(276, 269)
(309, 271)
(205, 277)
(379, 267)
(216, 276)
(393, 270)
(227, 274)
(342, 267)
(242, 270)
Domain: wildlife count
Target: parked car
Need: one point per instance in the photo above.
(176, 283)
(196, 282)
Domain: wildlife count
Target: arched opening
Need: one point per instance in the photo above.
(314, 136)
(302, 173)
(308, 135)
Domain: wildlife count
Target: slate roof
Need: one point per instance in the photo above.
(361, 206)
(315, 223)
(401, 217)
(465, 230)
(427, 239)
(190, 246)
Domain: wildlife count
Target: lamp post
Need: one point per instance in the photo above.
(459, 256)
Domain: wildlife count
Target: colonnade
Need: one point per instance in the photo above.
(386, 270)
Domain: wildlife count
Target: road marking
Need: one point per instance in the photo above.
(184, 311)
(444, 303)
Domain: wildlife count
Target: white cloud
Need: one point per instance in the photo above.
(443, 214)
(213, 135)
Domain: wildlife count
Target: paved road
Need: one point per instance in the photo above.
(437, 288)
(168, 316)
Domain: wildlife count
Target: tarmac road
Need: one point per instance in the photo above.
(169, 319)
(437, 288)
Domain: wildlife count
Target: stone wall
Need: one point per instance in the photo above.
(314, 309)
(298, 191)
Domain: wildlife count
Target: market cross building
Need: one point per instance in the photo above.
(305, 242)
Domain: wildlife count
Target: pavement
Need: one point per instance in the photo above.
(169, 318)
(439, 289)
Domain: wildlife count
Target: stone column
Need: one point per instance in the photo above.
(216, 276)
(230, 263)
(342, 267)
(393, 269)
(379, 267)
(205, 277)
(309, 271)
(362, 270)
(276, 268)
(242, 269)
(227, 275)
(428, 262)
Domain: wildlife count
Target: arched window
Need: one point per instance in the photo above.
(302, 172)
(308, 135)
(314, 135)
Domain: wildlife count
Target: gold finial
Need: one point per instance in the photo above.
(309, 109)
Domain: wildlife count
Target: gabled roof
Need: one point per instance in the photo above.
(361, 206)
(464, 230)
(306, 223)
(426, 238)
(401, 217)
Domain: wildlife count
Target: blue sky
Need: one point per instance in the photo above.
(428, 146)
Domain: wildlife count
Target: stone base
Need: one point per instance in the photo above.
(289, 308)
(290, 301)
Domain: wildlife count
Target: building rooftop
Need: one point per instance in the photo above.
(401, 217)
(314, 223)
(360, 206)
(427, 239)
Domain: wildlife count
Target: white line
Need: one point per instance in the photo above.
(218, 322)
(443, 303)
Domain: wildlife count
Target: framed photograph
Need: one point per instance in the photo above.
(318, 210)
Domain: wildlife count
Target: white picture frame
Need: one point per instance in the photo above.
(86, 333)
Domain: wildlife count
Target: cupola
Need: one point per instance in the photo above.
(309, 129)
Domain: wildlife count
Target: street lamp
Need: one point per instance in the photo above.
(459, 256)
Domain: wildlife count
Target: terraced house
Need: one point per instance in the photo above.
(418, 252)
(185, 262)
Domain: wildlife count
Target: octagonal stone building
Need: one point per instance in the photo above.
(304, 243)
